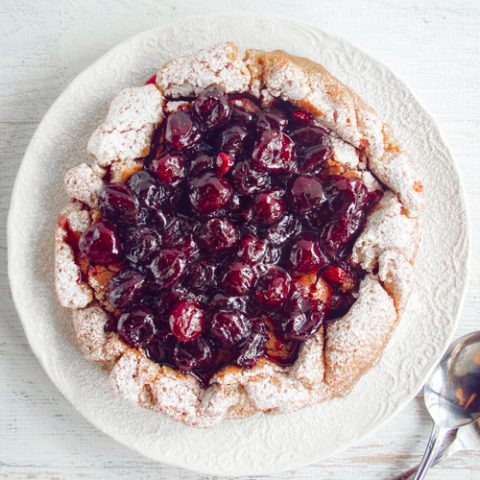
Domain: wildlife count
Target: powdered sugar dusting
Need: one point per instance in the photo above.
(387, 229)
(126, 132)
(94, 342)
(356, 341)
(72, 292)
(189, 75)
(396, 273)
(344, 153)
(394, 168)
(84, 184)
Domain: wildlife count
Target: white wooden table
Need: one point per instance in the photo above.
(433, 46)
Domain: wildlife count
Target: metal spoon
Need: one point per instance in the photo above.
(452, 395)
(466, 438)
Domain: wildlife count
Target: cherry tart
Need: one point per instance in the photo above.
(243, 240)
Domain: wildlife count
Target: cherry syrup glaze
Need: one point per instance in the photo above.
(227, 233)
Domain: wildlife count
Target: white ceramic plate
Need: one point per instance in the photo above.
(263, 444)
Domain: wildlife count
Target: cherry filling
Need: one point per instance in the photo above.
(232, 242)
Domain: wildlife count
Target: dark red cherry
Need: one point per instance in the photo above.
(221, 301)
(273, 152)
(248, 181)
(187, 321)
(100, 243)
(217, 234)
(286, 228)
(201, 163)
(233, 140)
(252, 349)
(252, 250)
(345, 195)
(306, 255)
(162, 303)
(211, 107)
(306, 137)
(209, 193)
(168, 267)
(144, 186)
(272, 119)
(337, 232)
(230, 328)
(181, 132)
(297, 325)
(339, 305)
(117, 203)
(238, 278)
(136, 328)
(179, 235)
(202, 276)
(141, 245)
(198, 354)
(125, 287)
(268, 207)
(170, 168)
(302, 315)
(314, 158)
(272, 288)
(157, 351)
(306, 194)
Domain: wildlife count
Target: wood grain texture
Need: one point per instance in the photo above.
(433, 46)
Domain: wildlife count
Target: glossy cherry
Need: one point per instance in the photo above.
(268, 207)
(229, 327)
(198, 354)
(125, 287)
(238, 278)
(100, 243)
(249, 181)
(211, 107)
(170, 168)
(187, 321)
(168, 268)
(272, 288)
(273, 152)
(209, 193)
(306, 194)
(136, 328)
(117, 203)
(217, 234)
(306, 255)
(181, 132)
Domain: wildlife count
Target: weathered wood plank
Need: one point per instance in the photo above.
(433, 46)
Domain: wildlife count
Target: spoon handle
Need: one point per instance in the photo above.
(436, 439)
(442, 455)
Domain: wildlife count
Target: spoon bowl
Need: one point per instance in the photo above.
(452, 394)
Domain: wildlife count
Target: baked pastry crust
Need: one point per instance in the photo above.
(330, 363)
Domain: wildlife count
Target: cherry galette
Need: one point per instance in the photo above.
(244, 240)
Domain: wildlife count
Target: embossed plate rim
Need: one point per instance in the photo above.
(50, 335)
